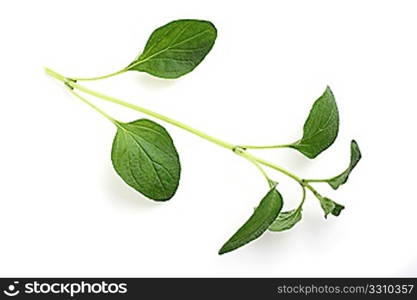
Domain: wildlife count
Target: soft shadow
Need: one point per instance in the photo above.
(296, 160)
(315, 226)
(124, 196)
(272, 243)
(309, 229)
(154, 83)
(409, 271)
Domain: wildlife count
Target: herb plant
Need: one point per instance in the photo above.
(145, 157)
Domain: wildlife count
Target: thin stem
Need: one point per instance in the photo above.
(315, 180)
(276, 167)
(266, 147)
(104, 114)
(300, 206)
(56, 75)
(155, 115)
(261, 170)
(100, 77)
(304, 195)
(313, 190)
(255, 160)
(148, 112)
(304, 184)
(244, 154)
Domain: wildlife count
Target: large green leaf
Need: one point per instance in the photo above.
(286, 220)
(176, 48)
(144, 155)
(355, 156)
(321, 126)
(263, 216)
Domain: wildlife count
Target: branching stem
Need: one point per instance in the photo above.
(93, 106)
(146, 111)
(239, 150)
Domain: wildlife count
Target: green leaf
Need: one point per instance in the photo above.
(330, 207)
(355, 156)
(144, 155)
(266, 212)
(321, 126)
(286, 220)
(176, 48)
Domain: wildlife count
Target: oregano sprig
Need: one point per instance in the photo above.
(145, 157)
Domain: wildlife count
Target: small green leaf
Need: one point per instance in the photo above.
(266, 212)
(355, 156)
(144, 155)
(330, 207)
(321, 126)
(176, 48)
(286, 220)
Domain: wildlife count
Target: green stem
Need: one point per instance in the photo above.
(94, 107)
(244, 154)
(302, 182)
(148, 112)
(315, 180)
(313, 190)
(100, 77)
(276, 167)
(266, 147)
(304, 197)
(56, 75)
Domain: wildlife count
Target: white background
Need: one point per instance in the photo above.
(64, 211)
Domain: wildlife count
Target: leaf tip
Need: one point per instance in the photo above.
(354, 144)
(337, 210)
(225, 249)
(311, 155)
